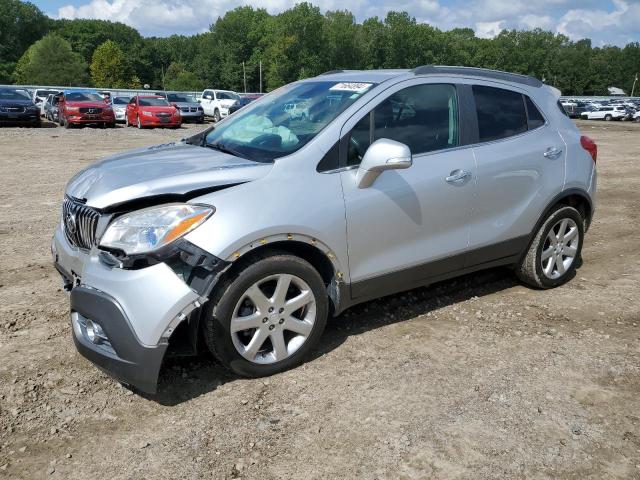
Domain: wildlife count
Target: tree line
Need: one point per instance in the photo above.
(297, 43)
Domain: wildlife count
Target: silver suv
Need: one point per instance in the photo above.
(248, 235)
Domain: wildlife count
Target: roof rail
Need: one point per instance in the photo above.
(478, 72)
(330, 72)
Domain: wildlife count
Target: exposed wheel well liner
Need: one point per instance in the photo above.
(316, 257)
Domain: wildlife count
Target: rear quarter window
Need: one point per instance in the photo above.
(534, 117)
(561, 107)
(501, 113)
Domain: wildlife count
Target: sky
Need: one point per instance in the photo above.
(614, 22)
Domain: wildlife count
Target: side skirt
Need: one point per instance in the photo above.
(508, 252)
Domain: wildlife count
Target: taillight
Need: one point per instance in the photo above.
(590, 146)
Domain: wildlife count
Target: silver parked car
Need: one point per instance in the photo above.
(190, 109)
(119, 105)
(51, 107)
(250, 234)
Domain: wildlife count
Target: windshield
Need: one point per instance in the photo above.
(175, 97)
(14, 95)
(153, 102)
(226, 95)
(83, 97)
(46, 93)
(270, 128)
(121, 100)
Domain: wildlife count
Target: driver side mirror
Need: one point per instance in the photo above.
(383, 154)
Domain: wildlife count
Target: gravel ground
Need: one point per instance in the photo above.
(474, 378)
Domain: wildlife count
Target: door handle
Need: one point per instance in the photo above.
(552, 152)
(458, 176)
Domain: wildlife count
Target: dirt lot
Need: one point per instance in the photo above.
(474, 378)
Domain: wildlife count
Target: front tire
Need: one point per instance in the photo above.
(555, 250)
(266, 317)
(608, 118)
(138, 123)
(216, 115)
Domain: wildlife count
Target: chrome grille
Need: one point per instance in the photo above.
(80, 223)
(90, 110)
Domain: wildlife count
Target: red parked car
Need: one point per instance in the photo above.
(152, 111)
(84, 107)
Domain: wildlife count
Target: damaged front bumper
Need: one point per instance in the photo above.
(134, 309)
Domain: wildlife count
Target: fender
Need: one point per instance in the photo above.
(554, 201)
(288, 237)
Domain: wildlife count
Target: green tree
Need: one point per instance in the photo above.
(21, 24)
(51, 61)
(177, 77)
(85, 35)
(110, 67)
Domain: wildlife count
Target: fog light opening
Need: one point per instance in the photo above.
(95, 334)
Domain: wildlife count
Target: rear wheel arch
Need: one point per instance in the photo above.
(579, 200)
(574, 197)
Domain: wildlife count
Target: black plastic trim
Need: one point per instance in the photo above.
(503, 253)
(133, 363)
(467, 115)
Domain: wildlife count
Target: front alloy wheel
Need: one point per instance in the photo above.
(273, 318)
(266, 315)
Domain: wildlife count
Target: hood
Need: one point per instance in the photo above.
(227, 102)
(158, 108)
(17, 103)
(170, 169)
(88, 104)
(186, 104)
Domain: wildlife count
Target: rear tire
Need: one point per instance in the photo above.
(555, 250)
(233, 322)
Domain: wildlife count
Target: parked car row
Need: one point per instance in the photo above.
(75, 107)
(616, 109)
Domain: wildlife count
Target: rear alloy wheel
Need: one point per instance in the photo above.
(555, 250)
(267, 317)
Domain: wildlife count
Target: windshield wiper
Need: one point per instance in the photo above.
(224, 149)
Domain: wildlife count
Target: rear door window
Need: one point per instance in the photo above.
(501, 113)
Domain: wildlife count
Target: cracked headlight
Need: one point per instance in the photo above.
(152, 228)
